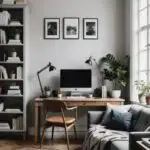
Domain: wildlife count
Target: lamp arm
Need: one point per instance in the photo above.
(40, 84)
(43, 68)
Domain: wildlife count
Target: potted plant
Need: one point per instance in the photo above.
(47, 90)
(143, 89)
(116, 71)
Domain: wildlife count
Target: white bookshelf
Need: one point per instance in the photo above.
(15, 9)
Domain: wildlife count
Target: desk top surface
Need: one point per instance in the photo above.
(80, 99)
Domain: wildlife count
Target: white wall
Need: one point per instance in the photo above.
(71, 53)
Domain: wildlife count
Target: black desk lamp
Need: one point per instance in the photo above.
(51, 68)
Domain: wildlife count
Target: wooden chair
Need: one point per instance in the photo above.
(59, 121)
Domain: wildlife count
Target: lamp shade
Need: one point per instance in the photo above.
(89, 61)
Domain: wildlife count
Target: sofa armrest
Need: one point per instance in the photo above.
(136, 136)
(94, 117)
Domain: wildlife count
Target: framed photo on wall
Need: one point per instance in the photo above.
(51, 28)
(90, 28)
(71, 28)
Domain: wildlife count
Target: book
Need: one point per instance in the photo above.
(19, 72)
(146, 141)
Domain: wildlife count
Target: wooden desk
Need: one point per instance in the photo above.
(70, 102)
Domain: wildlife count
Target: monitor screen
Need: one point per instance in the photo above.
(75, 78)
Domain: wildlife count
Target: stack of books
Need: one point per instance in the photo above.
(13, 59)
(15, 23)
(14, 42)
(4, 126)
(14, 90)
(17, 123)
(2, 37)
(8, 2)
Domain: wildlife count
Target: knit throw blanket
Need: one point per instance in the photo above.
(98, 137)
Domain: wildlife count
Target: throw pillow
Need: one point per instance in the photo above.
(120, 120)
(143, 121)
(135, 110)
(107, 116)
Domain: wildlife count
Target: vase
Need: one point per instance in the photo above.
(142, 99)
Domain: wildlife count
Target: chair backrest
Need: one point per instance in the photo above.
(54, 105)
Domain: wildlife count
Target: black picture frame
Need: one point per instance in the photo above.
(54, 32)
(71, 27)
(92, 33)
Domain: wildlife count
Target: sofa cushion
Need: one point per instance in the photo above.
(120, 120)
(120, 145)
(143, 121)
(135, 110)
(107, 116)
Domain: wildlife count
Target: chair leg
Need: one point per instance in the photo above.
(67, 137)
(75, 132)
(52, 132)
(43, 134)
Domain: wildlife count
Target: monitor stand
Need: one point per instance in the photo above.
(76, 93)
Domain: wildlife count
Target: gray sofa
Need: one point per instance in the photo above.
(140, 122)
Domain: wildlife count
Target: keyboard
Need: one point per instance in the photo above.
(76, 97)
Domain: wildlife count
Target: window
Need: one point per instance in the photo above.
(140, 50)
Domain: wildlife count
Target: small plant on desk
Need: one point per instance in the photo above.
(47, 90)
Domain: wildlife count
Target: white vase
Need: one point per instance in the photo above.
(142, 99)
(116, 93)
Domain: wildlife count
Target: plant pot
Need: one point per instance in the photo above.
(148, 100)
(47, 93)
(116, 93)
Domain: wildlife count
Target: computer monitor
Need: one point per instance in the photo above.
(75, 80)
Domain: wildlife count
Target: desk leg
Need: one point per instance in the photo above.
(39, 123)
(36, 124)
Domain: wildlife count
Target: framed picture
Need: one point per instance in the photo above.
(90, 28)
(71, 28)
(51, 28)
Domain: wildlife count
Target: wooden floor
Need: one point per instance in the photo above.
(28, 145)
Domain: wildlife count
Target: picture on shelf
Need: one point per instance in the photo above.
(51, 28)
(71, 28)
(90, 28)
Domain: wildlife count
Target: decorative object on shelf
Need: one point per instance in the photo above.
(13, 53)
(3, 72)
(115, 70)
(13, 59)
(15, 23)
(51, 28)
(97, 92)
(1, 106)
(51, 68)
(19, 71)
(71, 28)
(20, 1)
(143, 89)
(2, 37)
(4, 18)
(90, 28)
(8, 2)
(12, 75)
(47, 90)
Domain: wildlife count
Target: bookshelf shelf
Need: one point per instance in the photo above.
(11, 26)
(17, 63)
(13, 5)
(11, 130)
(11, 80)
(9, 96)
(13, 113)
(11, 44)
